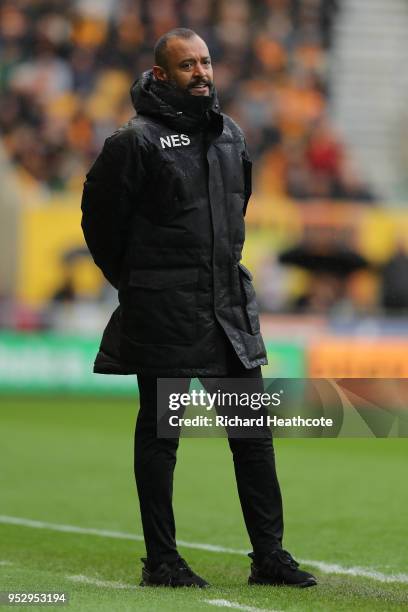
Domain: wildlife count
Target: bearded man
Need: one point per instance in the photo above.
(163, 216)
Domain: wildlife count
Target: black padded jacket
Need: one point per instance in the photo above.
(163, 216)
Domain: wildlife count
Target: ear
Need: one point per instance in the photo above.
(160, 74)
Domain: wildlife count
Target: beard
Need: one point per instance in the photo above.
(180, 98)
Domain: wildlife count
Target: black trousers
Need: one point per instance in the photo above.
(155, 461)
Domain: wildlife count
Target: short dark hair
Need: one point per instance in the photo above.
(160, 55)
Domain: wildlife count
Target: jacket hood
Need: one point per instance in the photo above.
(171, 105)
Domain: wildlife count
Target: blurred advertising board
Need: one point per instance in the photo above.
(47, 362)
(286, 360)
(51, 251)
(349, 357)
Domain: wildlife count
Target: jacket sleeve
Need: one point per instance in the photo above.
(109, 196)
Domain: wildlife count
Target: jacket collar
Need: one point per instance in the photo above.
(172, 106)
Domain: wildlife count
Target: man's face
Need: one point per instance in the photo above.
(188, 65)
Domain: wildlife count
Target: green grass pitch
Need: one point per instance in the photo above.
(68, 460)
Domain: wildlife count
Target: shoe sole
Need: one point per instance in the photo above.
(298, 585)
(174, 586)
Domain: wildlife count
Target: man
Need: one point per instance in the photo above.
(163, 216)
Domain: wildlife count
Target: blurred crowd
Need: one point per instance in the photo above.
(66, 69)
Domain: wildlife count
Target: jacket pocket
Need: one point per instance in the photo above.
(160, 306)
(251, 306)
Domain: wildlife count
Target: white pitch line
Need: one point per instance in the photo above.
(106, 533)
(326, 568)
(108, 584)
(224, 603)
(4, 562)
(360, 572)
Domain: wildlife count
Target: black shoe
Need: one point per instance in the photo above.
(171, 574)
(279, 568)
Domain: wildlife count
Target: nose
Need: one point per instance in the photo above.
(199, 70)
